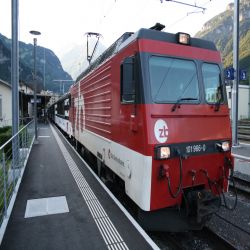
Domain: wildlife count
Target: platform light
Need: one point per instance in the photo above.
(162, 153)
(183, 38)
(35, 33)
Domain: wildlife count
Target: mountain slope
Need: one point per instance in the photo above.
(75, 60)
(47, 62)
(220, 30)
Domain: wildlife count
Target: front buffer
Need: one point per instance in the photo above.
(186, 188)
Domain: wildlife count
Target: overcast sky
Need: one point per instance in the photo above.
(64, 22)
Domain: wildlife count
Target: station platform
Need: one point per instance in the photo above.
(61, 205)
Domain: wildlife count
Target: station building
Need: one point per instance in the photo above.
(26, 103)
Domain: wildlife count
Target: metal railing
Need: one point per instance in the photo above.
(13, 158)
(241, 157)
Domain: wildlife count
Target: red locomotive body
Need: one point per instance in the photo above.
(153, 111)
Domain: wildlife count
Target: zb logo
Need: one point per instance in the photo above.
(161, 131)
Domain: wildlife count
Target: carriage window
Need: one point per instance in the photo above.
(66, 104)
(172, 79)
(212, 82)
(128, 81)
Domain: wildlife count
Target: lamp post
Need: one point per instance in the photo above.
(35, 33)
(62, 83)
(22, 96)
(235, 90)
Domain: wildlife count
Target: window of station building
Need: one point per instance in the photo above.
(212, 83)
(172, 79)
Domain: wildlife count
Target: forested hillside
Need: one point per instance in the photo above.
(220, 30)
(48, 65)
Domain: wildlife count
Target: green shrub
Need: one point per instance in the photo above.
(5, 129)
(4, 137)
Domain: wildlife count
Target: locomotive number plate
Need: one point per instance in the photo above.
(196, 148)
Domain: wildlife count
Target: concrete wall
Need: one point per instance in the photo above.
(244, 101)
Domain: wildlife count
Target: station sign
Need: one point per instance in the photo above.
(229, 73)
(243, 75)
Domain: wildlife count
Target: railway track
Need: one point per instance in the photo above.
(217, 240)
(204, 239)
(242, 185)
(193, 240)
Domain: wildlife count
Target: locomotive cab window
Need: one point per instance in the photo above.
(212, 83)
(173, 79)
(128, 80)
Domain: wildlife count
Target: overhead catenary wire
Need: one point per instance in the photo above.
(106, 13)
(187, 4)
(188, 14)
(109, 6)
(195, 12)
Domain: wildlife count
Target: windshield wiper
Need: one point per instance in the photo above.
(220, 99)
(177, 103)
(217, 105)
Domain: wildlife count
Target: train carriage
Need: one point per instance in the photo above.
(152, 109)
(59, 113)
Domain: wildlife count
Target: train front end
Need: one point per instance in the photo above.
(188, 129)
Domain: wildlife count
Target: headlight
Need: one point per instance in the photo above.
(223, 146)
(183, 38)
(162, 153)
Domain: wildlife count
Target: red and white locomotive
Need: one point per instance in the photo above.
(152, 109)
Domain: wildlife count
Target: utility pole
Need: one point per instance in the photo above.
(15, 83)
(235, 91)
(15, 68)
(62, 83)
(44, 61)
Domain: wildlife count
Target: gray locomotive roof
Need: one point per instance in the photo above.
(129, 37)
(167, 37)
